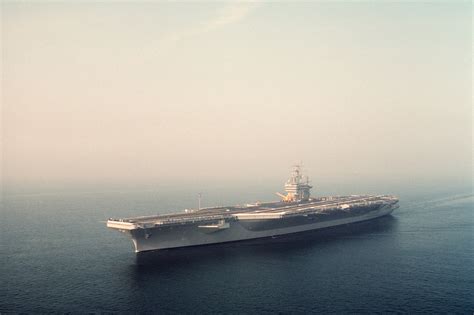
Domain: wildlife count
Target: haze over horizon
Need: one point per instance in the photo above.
(101, 93)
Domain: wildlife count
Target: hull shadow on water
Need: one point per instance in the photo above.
(172, 259)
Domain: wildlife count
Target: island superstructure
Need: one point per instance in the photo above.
(296, 212)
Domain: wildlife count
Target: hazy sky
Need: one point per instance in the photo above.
(222, 91)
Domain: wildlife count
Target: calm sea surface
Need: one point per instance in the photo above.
(57, 256)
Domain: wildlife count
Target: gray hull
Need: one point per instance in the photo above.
(193, 234)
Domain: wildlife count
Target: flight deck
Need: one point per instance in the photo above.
(265, 210)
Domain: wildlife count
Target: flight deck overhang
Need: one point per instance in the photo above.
(120, 225)
(259, 215)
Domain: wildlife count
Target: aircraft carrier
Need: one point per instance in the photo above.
(295, 212)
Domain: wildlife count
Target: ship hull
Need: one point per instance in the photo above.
(176, 236)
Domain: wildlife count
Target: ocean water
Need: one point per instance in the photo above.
(57, 256)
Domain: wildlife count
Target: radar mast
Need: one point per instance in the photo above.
(297, 187)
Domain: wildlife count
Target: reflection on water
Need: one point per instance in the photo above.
(279, 273)
(165, 260)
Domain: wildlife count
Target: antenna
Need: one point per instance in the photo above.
(199, 200)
